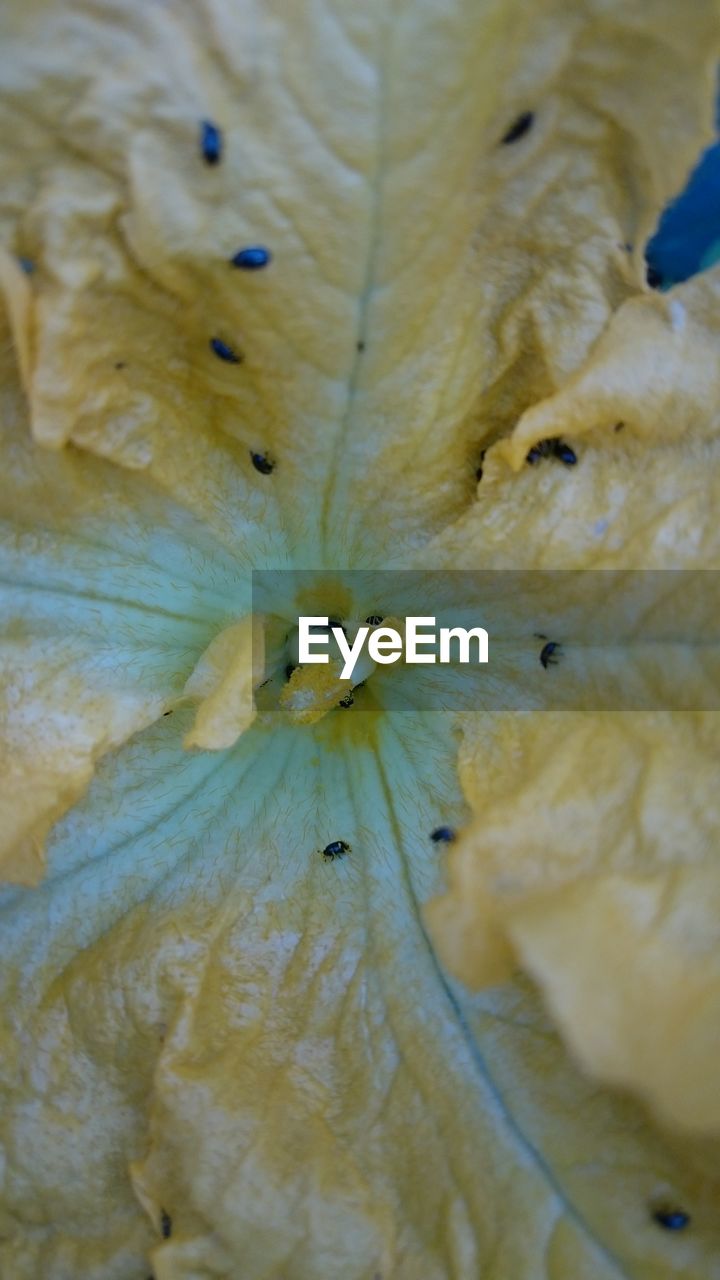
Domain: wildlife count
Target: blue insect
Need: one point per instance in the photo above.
(519, 128)
(262, 463)
(224, 352)
(336, 849)
(671, 1219)
(442, 835)
(548, 652)
(211, 142)
(554, 447)
(253, 258)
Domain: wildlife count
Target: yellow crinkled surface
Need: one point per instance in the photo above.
(84, 662)
(476, 276)
(591, 862)
(593, 797)
(223, 683)
(222, 1053)
(643, 408)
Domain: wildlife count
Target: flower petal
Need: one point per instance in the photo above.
(591, 862)
(265, 1040)
(106, 605)
(224, 680)
(417, 298)
(642, 415)
(640, 1000)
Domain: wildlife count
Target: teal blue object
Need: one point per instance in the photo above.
(688, 236)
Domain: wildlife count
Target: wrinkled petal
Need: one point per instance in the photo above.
(106, 603)
(591, 862)
(265, 1040)
(575, 801)
(642, 414)
(640, 1002)
(654, 373)
(448, 286)
(224, 681)
(205, 1018)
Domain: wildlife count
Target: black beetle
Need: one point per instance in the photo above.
(442, 835)
(224, 352)
(211, 142)
(262, 463)
(671, 1219)
(336, 849)
(553, 447)
(548, 652)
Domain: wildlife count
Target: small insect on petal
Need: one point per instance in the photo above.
(373, 620)
(253, 258)
(347, 701)
(519, 128)
(547, 654)
(565, 454)
(262, 463)
(442, 835)
(671, 1219)
(553, 447)
(224, 352)
(543, 449)
(165, 1224)
(336, 849)
(211, 142)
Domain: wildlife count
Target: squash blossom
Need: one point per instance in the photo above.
(295, 990)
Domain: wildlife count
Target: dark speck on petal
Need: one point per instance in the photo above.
(165, 1225)
(224, 352)
(653, 277)
(565, 454)
(671, 1219)
(519, 128)
(27, 265)
(262, 463)
(336, 849)
(548, 652)
(442, 835)
(252, 259)
(211, 142)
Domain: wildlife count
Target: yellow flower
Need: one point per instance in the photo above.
(224, 1054)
